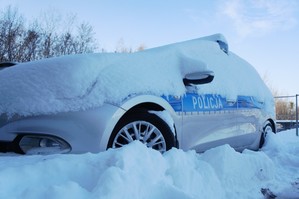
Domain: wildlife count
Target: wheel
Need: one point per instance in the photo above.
(143, 126)
(268, 128)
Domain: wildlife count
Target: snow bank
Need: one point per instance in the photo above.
(135, 171)
(78, 82)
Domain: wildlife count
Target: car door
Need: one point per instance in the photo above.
(249, 120)
(209, 120)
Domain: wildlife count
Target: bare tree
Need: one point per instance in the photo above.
(85, 42)
(121, 47)
(141, 47)
(42, 39)
(29, 46)
(11, 30)
(51, 35)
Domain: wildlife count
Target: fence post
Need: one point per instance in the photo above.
(296, 115)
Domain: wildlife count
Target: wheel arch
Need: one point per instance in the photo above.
(150, 103)
(263, 135)
(147, 103)
(272, 122)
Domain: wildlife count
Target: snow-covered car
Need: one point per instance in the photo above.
(192, 95)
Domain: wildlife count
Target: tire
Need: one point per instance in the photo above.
(143, 126)
(268, 128)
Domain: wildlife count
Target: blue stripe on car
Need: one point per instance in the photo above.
(192, 102)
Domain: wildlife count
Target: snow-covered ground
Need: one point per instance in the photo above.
(136, 172)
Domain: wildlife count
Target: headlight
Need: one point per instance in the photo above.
(44, 145)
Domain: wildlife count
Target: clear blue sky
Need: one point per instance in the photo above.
(264, 32)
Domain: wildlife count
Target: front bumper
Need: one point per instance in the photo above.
(71, 132)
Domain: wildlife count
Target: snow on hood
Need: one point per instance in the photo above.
(78, 82)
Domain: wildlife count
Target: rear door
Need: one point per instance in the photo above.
(249, 120)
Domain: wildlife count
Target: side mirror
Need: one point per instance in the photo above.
(6, 64)
(197, 78)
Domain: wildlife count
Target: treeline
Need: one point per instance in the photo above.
(50, 36)
(285, 109)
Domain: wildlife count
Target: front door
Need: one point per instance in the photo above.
(209, 120)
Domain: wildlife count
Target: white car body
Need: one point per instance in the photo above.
(198, 119)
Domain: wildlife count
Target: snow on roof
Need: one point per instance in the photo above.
(75, 82)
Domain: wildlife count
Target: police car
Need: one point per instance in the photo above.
(192, 95)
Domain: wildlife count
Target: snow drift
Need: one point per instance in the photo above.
(135, 171)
